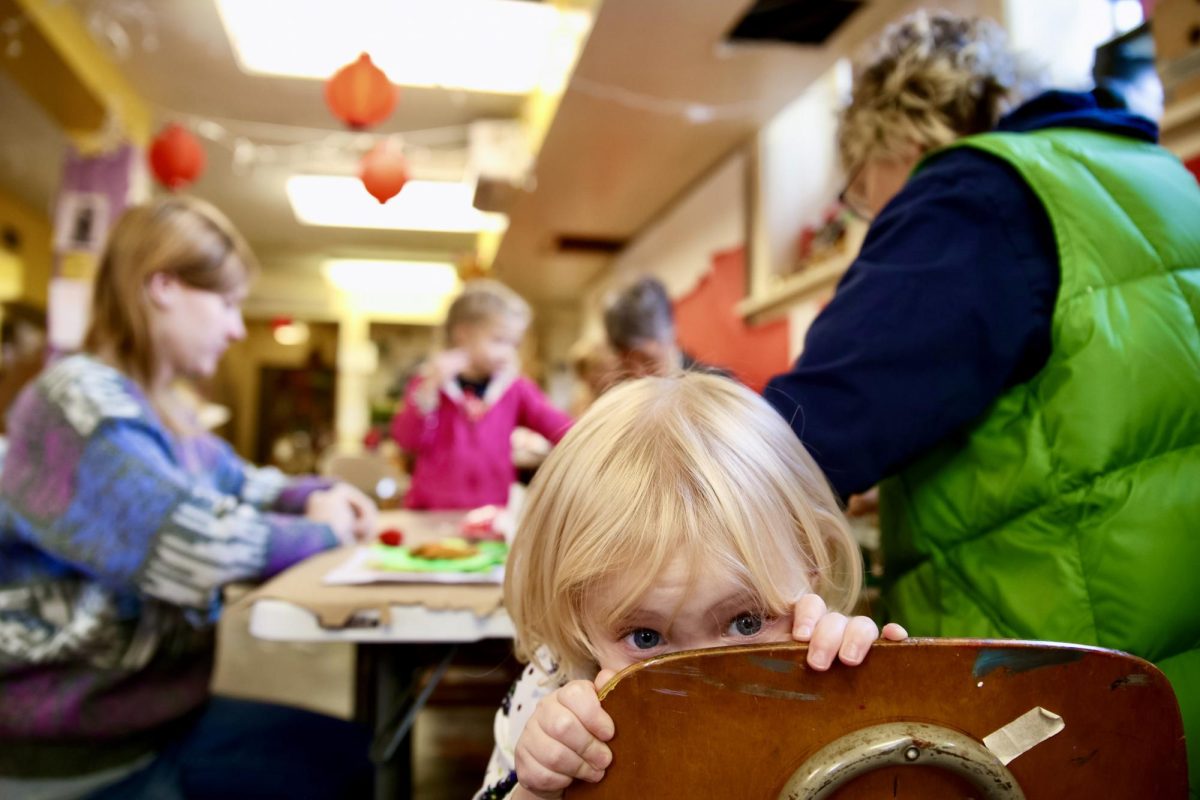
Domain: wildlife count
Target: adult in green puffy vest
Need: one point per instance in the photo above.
(1015, 355)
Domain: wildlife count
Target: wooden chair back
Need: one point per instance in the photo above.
(918, 719)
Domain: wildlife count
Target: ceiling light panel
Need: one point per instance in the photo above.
(496, 46)
(341, 201)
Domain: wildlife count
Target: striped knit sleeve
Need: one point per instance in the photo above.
(115, 505)
(261, 487)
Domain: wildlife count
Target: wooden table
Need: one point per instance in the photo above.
(400, 630)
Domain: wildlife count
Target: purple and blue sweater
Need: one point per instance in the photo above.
(116, 537)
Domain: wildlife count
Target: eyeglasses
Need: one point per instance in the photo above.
(852, 199)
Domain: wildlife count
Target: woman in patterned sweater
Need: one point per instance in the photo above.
(120, 521)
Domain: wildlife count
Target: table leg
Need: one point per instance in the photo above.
(385, 677)
(389, 697)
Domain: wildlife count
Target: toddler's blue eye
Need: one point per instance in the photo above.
(645, 638)
(746, 624)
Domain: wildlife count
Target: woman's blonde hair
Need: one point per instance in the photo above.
(181, 236)
(483, 300)
(693, 465)
(933, 78)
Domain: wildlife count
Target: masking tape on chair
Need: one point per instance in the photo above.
(1023, 734)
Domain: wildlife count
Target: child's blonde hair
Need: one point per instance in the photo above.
(696, 465)
(484, 300)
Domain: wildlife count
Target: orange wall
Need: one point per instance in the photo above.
(711, 330)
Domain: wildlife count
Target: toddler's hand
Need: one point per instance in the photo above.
(564, 740)
(832, 635)
(446, 365)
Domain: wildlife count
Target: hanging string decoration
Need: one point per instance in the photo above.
(383, 170)
(176, 157)
(360, 94)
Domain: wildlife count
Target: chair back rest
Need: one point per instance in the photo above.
(374, 475)
(918, 719)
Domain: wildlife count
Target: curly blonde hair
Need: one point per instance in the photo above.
(692, 465)
(933, 78)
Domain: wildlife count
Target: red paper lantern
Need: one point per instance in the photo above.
(360, 94)
(383, 170)
(176, 157)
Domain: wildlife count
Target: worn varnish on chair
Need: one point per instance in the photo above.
(738, 722)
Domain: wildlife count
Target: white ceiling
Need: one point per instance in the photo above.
(623, 147)
(189, 72)
(619, 152)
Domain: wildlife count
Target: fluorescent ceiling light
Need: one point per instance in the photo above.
(500, 46)
(420, 291)
(342, 201)
(381, 275)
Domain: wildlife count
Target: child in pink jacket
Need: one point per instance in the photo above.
(459, 413)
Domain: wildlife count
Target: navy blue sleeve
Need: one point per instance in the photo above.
(948, 304)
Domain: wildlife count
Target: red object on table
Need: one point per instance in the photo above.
(480, 523)
(392, 537)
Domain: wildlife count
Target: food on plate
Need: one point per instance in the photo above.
(450, 548)
(445, 555)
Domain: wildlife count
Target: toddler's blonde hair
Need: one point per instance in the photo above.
(933, 78)
(483, 300)
(695, 465)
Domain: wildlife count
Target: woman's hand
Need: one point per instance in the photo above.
(366, 513)
(832, 635)
(564, 741)
(347, 511)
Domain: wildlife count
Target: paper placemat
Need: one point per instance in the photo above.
(335, 605)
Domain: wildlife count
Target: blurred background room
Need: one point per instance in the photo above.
(379, 155)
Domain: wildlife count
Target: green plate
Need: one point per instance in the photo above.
(398, 559)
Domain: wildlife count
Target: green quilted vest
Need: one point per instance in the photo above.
(1071, 511)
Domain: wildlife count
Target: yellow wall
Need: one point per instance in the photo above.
(72, 78)
(34, 256)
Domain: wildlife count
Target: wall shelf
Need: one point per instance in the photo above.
(814, 279)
